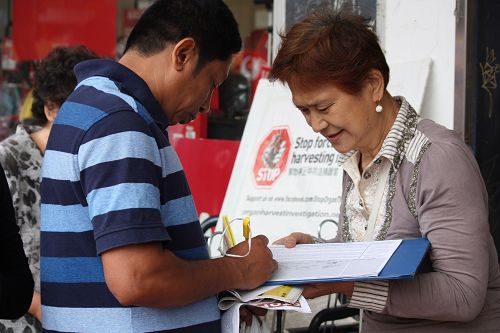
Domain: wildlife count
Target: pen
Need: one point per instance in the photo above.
(229, 235)
(246, 227)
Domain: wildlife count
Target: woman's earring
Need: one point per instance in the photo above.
(379, 107)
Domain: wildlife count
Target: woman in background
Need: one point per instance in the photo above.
(404, 177)
(21, 155)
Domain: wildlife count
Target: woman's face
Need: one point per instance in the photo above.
(347, 121)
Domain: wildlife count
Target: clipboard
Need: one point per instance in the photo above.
(403, 264)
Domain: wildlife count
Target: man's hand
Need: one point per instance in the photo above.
(295, 238)
(257, 267)
(314, 290)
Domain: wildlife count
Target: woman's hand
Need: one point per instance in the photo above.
(295, 238)
(314, 290)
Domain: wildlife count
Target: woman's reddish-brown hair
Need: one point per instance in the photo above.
(330, 47)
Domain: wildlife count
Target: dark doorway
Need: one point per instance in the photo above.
(483, 95)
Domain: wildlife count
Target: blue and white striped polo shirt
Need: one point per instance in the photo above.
(111, 178)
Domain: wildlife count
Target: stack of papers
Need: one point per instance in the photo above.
(267, 297)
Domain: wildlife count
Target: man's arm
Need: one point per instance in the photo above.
(127, 180)
(148, 275)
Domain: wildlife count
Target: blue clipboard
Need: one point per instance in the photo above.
(403, 264)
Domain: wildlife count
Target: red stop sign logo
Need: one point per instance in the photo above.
(270, 162)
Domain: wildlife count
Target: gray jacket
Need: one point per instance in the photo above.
(437, 192)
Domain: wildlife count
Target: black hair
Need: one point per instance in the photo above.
(209, 22)
(54, 78)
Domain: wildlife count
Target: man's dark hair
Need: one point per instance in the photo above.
(209, 22)
(54, 78)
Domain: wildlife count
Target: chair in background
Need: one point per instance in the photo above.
(330, 315)
(208, 229)
(208, 226)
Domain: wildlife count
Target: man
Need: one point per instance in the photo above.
(122, 249)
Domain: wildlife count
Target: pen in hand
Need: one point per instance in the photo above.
(229, 237)
(246, 227)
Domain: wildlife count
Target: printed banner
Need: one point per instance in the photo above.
(285, 176)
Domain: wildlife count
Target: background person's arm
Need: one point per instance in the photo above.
(36, 306)
(148, 275)
(16, 282)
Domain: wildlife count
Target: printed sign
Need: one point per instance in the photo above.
(285, 176)
(272, 156)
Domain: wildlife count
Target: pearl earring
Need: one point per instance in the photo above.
(379, 108)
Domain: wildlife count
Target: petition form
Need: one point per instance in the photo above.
(325, 261)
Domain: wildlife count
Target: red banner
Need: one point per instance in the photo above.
(40, 25)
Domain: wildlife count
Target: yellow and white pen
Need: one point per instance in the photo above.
(246, 227)
(229, 232)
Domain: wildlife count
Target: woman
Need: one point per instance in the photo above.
(16, 283)
(21, 155)
(404, 177)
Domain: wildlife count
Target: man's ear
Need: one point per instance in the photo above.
(184, 52)
(377, 84)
